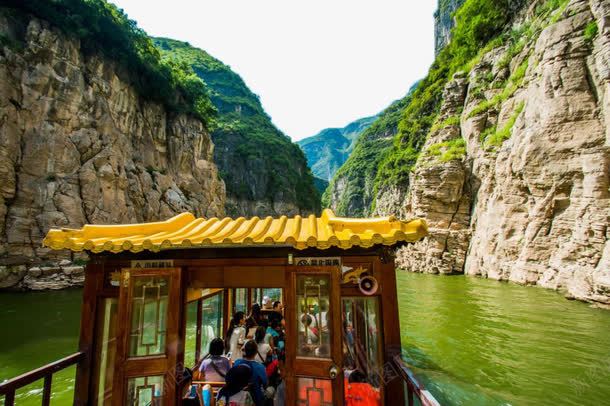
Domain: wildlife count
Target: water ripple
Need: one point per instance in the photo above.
(475, 341)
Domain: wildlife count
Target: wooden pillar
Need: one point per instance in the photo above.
(181, 336)
(391, 330)
(198, 334)
(94, 281)
(227, 314)
(290, 310)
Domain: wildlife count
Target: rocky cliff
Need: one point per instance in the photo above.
(265, 173)
(330, 148)
(78, 144)
(516, 185)
(443, 22)
(509, 160)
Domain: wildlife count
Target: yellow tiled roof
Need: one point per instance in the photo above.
(186, 231)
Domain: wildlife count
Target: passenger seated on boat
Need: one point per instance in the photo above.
(271, 333)
(236, 336)
(264, 350)
(191, 396)
(358, 392)
(235, 393)
(214, 367)
(258, 381)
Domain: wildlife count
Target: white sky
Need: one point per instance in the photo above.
(315, 64)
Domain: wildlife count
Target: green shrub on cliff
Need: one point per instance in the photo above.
(591, 31)
(514, 82)
(103, 28)
(448, 150)
(477, 23)
(494, 138)
(448, 122)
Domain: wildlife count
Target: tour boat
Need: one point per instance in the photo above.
(334, 276)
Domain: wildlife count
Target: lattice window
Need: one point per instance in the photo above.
(149, 316)
(313, 391)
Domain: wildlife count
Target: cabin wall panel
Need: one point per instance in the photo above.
(237, 277)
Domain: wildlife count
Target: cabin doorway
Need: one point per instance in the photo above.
(311, 360)
(167, 318)
(314, 363)
(147, 336)
(209, 312)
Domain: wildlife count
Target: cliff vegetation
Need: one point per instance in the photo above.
(503, 149)
(330, 148)
(265, 173)
(102, 28)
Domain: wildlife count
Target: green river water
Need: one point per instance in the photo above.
(471, 342)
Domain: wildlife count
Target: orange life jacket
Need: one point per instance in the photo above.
(361, 394)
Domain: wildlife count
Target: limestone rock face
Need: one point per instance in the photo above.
(79, 145)
(534, 207)
(443, 22)
(439, 193)
(543, 205)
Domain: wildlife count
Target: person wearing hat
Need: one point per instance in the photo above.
(235, 392)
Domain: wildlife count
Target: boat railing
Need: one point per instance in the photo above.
(9, 387)
(414, 388)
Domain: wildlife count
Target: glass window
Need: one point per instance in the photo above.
(149, 314)
(145, 391)
(257, 295)
(271, 294)
(313, 317)
(107, 350)
(211, 321)
(190, 340)
(361, 338)
(240, 300)
(312, 391)
(274, 294)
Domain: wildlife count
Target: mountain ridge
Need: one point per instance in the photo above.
(264, 171)
(327, 150)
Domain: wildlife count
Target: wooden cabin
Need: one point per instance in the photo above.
(155, 295)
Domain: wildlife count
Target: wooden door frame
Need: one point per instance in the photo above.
(319, 367)
(94, 281)
(166, 364)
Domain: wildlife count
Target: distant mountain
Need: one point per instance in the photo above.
(330, 148)
(264, 172)
(350, 191)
